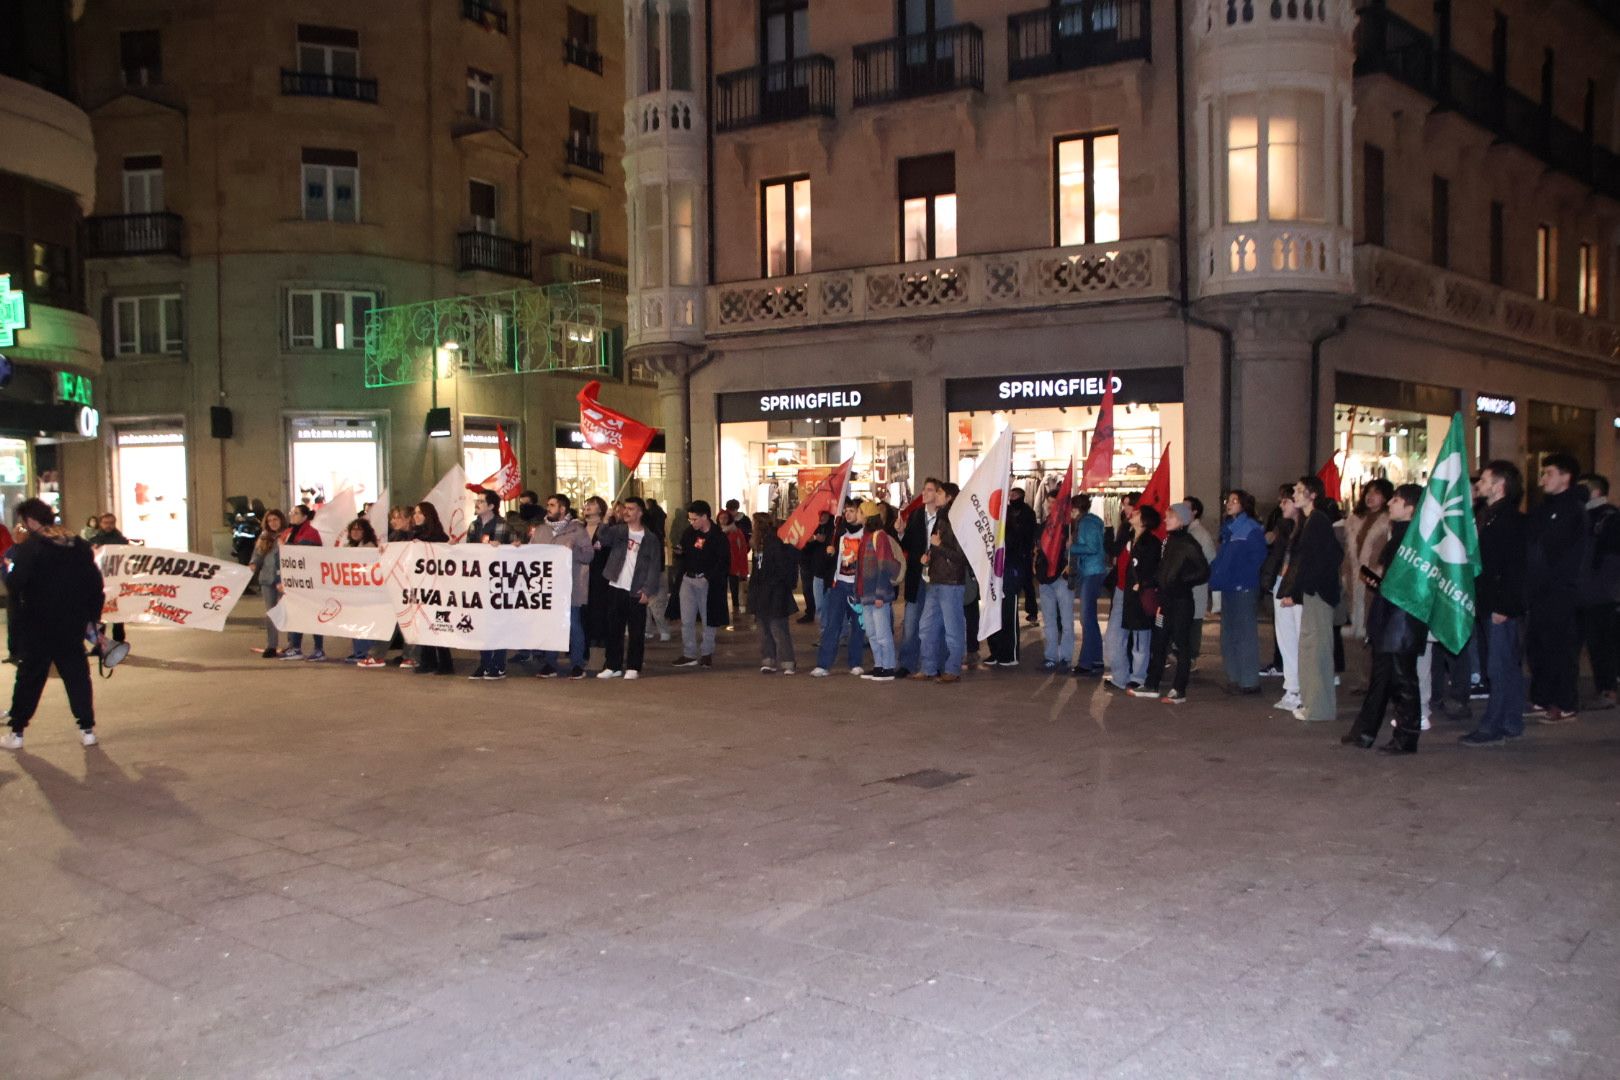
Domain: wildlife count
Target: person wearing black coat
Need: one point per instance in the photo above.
(1182, 568)
(1137, 601)
(1555, 548)
(770, 595)
(1022, 529)
(705, 570)
(1499, 597)
(1397, 639)
(1312, 583)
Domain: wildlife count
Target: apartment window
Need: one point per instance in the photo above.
(682, 256)
(650, 213)
(327, 319)
(331, 185)
(481, 95)
(1287, 127)
(582, 232)
(1498, 244)
(1087, 189)
(928, 207)
(481, 206)
(680, 46)
(925, 16)
(1372, 194)
(786, 246)
(581, 128)
(1546, 261)
(1440, 222)
(582, 27)
(1586, 281)
(784, 30)
(327, 50)
(671, 57)
(143, 184)
(48, 266)
(147, 325)
(140, 57)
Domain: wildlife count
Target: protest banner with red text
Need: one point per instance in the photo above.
(153, 587)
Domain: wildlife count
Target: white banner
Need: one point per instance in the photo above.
(332, 518)
(452, 500)
(478, 596)
(340, 591)
(153, 587)
(979, 520)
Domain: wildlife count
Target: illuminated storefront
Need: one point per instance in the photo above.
(329, 453)
(149, 483)
(1388, 430)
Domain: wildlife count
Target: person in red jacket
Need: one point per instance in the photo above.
(737, 542)
(301, 532)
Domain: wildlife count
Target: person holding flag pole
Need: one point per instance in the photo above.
(1052, 576)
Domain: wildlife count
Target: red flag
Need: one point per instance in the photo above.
(1331, 480)
(827, 496)
(907, 510)
(1100, 458)
(508, 479)
(609, 432)
(1057, 521)
(1157, 492)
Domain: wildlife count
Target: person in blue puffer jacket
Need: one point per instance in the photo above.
(1235, 574)
(1088, 567)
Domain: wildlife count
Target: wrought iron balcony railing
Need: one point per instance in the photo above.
(1386, 44)
(771, 93)
(1083, 34)
(919, 64)
(320, 84)
(484, 14)
(115, 235)
(583, 156)
(582, 55)
(497, 254)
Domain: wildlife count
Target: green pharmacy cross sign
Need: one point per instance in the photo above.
(13, 312)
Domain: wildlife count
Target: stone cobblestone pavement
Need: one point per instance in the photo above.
(299, 870)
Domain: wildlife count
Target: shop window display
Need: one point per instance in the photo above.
(1385, 444)
(331, 453)
(766, 465)
(150, 482)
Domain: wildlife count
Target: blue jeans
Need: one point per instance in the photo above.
(362, 649)
(1091, 639)
(1127, 649)
(295, 640)
(911, 631)
(1057, 620)
(880, 633)
(821, 598)
(834, 616)
(578, 647)
(492, 660)
(1240, 637)
(695, 609)
(1504, 712)
(943, 630)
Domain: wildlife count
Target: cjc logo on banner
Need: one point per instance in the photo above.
(153, 587)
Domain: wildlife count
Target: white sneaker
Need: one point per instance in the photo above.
(1423, 725)
(1335, 680)
(820, 673)
(290, 654)
(1300, 714)
(609, 673)
(88, 738)
(11, 740)
(631, 674)
(664, 636)
(788, 669)
(857, 671)
(1287, 703)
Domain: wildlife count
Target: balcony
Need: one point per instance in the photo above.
(918, 65)
(118, 235)
(583, 156)
(1386, 279)
(564, 266)
(582, 55)
(496, 254)
(773, 93)
(1389, 45)
(968, 285)
(320, 84)
(484, 14)
(1255, 257)
(1069, 37)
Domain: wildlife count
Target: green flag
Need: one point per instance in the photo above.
(1432, 574)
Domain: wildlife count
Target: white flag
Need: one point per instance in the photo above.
(449, 498)
(333, 516)
(378, 516)
(979, 519)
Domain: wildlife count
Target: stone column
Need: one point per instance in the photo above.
(672, 364)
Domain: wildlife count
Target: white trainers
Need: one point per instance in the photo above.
(609, 673)
(820, 673)
(1300, 713)
(1287, 703)
(631, 674)
(88, 738)
(11, 740)
(857, 671)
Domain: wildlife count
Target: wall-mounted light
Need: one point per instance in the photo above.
(438, 422)
(338, 336)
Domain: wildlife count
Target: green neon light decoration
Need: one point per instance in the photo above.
(542, 328)
(13, 312)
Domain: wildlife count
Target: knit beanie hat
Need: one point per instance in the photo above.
(1183, 513)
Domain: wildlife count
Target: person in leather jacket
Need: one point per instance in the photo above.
(1397, 639)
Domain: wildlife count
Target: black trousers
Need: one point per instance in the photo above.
(1393, 682)
(1598, 638)
(1553, 646)
(1004, 642)
(1174, 630)
(807, 581)
(1032, 599)
(970, 615)
(625, 613)
(34, 668)
(436, 658)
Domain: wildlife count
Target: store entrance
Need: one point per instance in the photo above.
(328, 454)
(149, 466)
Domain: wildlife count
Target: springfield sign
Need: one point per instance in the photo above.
(467, 596)
(153, 587)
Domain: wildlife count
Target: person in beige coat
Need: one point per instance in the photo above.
(1366, 533)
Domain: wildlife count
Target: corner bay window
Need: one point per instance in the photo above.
(147, 325)
(669, 46)
(1088, 189)
(327, 319)
(1586, 281)
(928, 207)
(1285, 182)
(331, 180)
(787, 227)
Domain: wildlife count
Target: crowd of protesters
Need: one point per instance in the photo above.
(1548, 592)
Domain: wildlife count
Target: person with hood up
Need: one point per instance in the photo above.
(1182, 569)
(841, 603)
(56, 598)
(1235, 574)
(1396, 638)
(878, 581)
(560, 528)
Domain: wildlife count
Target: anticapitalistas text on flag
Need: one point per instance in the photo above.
(610, 432)
(1432, 574)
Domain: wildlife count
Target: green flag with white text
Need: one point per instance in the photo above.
(1432, 574)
